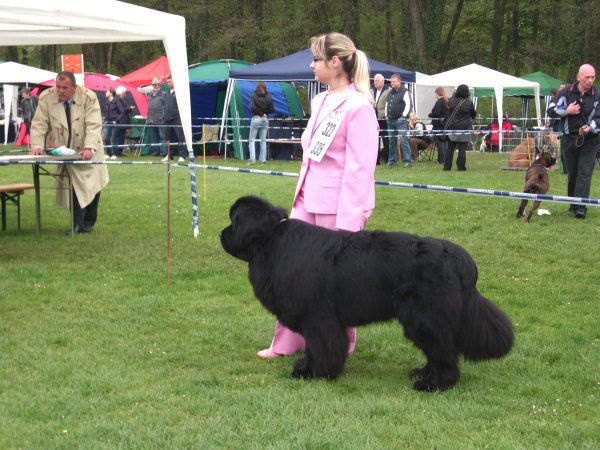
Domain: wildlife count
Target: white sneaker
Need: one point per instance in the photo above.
(181, 159)
(113, 157)
(106, 157)
(165, 159)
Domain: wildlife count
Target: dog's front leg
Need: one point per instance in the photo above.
(326, 347)
(302, 368)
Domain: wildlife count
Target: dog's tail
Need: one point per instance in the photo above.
(486, 331)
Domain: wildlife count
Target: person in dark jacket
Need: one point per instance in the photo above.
(261, 105)
(438, 115)
(124, 119)
(156, 112)
(460, 117)
(397, 111)
(578, 106)
(115, 112)
(28, 106)
(173, 122)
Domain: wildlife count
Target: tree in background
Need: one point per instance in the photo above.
(513, 36)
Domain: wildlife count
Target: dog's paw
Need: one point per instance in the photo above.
(431, 384)
(302, 369)
(426, 385)
(420, 372)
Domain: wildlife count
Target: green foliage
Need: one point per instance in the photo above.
(555, 37)
(96, 351)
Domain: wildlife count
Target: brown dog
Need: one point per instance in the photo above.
(536, 181)
(522, 154)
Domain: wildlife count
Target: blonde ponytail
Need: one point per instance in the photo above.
(361, 75)
(354, 62)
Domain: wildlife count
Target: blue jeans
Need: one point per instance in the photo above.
(258, 125)
(440, 143)
(157, 136)
(112, 137)
(107, 135)
(398, 127)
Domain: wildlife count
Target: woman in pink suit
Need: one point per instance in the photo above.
(340, 146)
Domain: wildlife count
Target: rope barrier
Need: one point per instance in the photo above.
(456, 190)
(437, 188)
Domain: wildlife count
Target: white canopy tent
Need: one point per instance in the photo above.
(43, 22)
(474, 76)
(12, 74)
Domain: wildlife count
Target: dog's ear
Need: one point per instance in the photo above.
(253, 221)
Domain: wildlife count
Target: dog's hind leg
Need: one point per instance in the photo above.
(521, 208)
(441, 371)
(326, 349)
(534, 208)
(435, 339)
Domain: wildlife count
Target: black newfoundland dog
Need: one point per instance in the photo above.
(318, 282)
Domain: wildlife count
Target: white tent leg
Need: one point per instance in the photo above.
(536, 92)
(499, 90)
(9, 92)
(223, 130)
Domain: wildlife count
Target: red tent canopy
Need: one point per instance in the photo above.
(158, 68)
(100, 83)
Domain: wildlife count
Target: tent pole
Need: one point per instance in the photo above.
(230, 82)
(237, 122)
(168, 214)
(536, 91)
(499, 91)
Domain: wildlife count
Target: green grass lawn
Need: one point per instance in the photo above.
(96, 351)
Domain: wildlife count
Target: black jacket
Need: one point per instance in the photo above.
(261, 103)
(171, 109)
(115, 110)
(589, 112)
(438, 114)
(396, 103)
(463, 118)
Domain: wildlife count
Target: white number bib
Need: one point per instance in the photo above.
(324, 135)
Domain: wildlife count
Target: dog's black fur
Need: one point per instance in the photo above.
(318, 282)
(536, 181)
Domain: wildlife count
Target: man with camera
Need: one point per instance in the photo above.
(578, 106)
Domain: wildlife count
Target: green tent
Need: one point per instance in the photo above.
(215, 70)
(208, 88)
(547, 83)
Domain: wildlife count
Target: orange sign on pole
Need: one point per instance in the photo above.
(74, 63)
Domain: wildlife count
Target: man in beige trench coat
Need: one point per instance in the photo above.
(50, 128)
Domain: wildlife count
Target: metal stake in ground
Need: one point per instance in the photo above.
(168, 214)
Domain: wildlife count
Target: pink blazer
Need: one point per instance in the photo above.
(343, 182)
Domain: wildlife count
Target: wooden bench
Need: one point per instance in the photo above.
(12, 193)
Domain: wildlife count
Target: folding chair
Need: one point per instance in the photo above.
(210, 138)
(428, 153)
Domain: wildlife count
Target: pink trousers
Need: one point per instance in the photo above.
(285, 341)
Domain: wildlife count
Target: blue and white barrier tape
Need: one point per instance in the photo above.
(456, 190)
(428, 187)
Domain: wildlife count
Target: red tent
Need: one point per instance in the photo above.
(158, 68)
(100, 83)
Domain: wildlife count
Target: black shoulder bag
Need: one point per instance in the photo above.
(451, 118)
